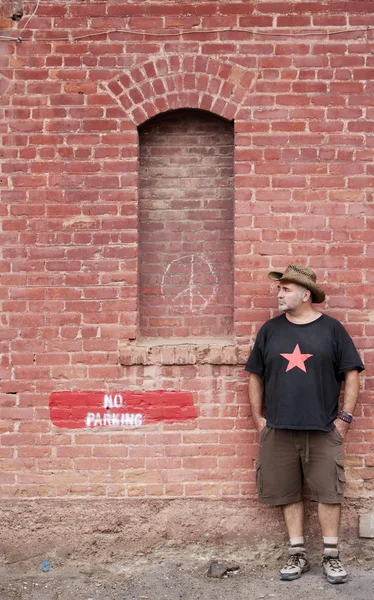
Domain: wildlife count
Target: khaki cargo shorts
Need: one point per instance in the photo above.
(288, 458)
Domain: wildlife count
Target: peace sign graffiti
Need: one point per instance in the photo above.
(195, 275)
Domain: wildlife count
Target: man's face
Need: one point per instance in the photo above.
(290, 296)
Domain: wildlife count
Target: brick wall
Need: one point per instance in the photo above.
(296, 80)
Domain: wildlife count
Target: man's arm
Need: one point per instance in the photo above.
(256, 397)
(350, 397)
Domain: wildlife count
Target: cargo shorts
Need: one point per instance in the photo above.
(288, 459)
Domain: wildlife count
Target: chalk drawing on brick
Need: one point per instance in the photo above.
(198, 280)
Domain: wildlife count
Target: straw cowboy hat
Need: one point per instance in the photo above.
(302, 276)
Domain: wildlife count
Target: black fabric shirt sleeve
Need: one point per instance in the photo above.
(349, 358)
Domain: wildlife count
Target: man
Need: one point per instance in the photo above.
(297, 366)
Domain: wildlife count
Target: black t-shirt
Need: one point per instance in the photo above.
(302, 367)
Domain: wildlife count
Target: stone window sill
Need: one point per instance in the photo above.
(182, 351)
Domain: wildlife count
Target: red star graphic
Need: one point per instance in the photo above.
(296, 359)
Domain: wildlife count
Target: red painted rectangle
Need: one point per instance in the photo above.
(125, 409)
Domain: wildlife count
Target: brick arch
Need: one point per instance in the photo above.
(172, 82)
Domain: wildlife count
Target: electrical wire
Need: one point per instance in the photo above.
(188, 32)
(251, 32)
(195, 31)
(31, 16)
(230, 29)
(10, 39)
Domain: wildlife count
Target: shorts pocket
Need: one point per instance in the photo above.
(258, 477)
(340, 477)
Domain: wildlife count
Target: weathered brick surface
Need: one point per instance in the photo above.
(186, 201)
(296, 81)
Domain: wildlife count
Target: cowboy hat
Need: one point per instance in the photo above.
(302, 276)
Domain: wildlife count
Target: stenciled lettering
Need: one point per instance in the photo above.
(113, 402)
(114, 419)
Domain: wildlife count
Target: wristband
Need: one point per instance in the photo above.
(346, 417)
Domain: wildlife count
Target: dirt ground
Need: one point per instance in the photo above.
(180, 577)
(137, 550)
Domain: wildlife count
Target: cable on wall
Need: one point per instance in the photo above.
(196, 31)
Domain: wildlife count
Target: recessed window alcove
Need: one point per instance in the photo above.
(186, 199)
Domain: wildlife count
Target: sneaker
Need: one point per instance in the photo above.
(334, 570)
(296, 565)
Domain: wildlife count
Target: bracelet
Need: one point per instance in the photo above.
(346, 417)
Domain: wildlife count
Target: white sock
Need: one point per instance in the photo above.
(297, 542)
(330, 546)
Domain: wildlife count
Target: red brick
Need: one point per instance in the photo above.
(292, 100)
(294, 21)
(272, 7)
(330, 20)
(303, 152)
(309, 87)
(346, 87)
(330, 48)
(256, 21)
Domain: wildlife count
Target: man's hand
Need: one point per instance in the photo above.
(260, 423)
(341, 426)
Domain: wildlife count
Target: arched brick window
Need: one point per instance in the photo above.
(186, 193)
